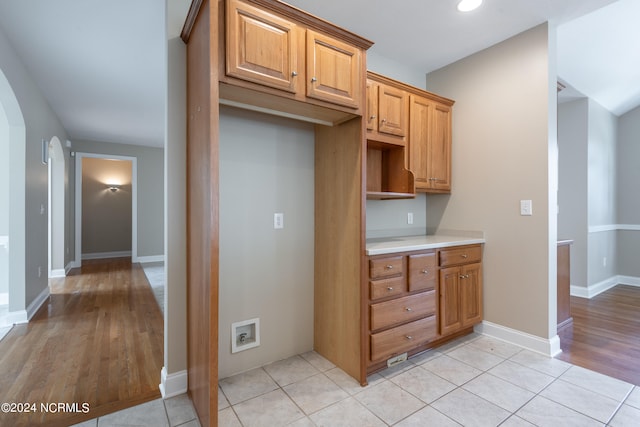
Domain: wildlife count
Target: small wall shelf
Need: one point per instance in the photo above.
(387, 177)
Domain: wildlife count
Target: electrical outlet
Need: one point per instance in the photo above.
(39, 271)
(410, 218)
(278, 220)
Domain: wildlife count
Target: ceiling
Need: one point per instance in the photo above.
(101, 63)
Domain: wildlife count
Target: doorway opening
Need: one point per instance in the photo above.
(106, 207)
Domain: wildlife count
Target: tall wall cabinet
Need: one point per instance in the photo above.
(267, 56)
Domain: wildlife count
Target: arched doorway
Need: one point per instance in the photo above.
(12, 207)
(56, 198)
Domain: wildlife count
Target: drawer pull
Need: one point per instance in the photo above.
(390, 288)
(408, 309)
(294, 74)
(425, 271)
(465, 256)
(388, 267)
(409, 337)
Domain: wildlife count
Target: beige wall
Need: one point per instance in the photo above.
(106, 214)
(266, 166)
(504, 151)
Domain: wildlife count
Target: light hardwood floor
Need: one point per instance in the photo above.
(98, 340)
(605, 334)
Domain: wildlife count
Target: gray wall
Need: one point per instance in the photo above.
(4, 205)
(266, 166)
(573, 191)
(106, 214)
(602, 140)
(28, 254)
(150, 190)
(504, 151)
(628, 186)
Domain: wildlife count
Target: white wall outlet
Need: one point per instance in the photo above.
(526, 208)
(245, 335)
(410, 218)
(278, 220)
(39, 271)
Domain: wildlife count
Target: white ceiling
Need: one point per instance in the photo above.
(101, 63)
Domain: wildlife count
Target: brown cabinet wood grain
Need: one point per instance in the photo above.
(423, 271)
(402, 338)
(272, 48)
(402, 310)
(460, 288)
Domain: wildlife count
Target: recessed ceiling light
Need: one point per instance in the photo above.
(469, 5)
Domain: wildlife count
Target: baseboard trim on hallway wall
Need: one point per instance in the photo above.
(60, 272)
(14, 318)
(37, 303)
(103, 255)
(71, 265)
(173, 384)
(149, 258)
(600, 287)
(548, 347)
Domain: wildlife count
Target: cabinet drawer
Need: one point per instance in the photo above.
(423, 271)
(403, 309)
(386, 288)
(385, 267)
(464, 255)
(403, 338)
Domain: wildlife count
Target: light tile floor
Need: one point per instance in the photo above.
(474, 381)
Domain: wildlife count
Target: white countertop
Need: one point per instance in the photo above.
(391, 245)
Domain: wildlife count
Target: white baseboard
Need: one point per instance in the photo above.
(173, 384)
(37, 303)
(150, 258)
(548, 347)
(60, 272)
(72, 264)
(14, 318)
(101, 255)
(600, 287)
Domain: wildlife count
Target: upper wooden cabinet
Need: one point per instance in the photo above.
(387, 115)
(430, 144)
(402, 115)
(285, 52)
(333, 70)
(262, 47)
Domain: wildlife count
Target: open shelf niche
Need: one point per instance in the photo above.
(387, 177)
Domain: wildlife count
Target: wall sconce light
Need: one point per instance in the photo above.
(113, 187)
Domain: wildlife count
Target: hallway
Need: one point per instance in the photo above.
(98, 341)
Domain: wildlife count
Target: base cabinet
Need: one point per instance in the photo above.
(417, 299)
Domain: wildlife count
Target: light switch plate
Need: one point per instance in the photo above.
(526, 208)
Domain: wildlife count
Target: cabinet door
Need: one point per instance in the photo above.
(471, 294)
(450, 313)
(372, 106)
(333, 70)
(420, 112)
(439, 155)
(392, 110)
(261, 47)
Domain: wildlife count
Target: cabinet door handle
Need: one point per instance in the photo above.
(409, 337)
(462, 276)
(294, 74)
(383, 120)
(313, 80)
(388, 267)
